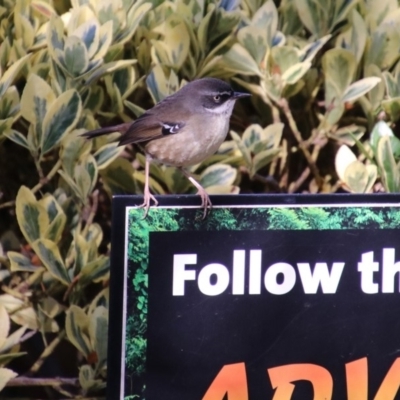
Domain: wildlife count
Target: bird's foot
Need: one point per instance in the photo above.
(148, 198)
(205, 201)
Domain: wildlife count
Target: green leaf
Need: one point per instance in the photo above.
(389, 171)
(8, 77)
(253, 40)
(380, 129)
(262, 159)
(76, 326)
(55, 38)
(391, 84)
(98, 329)
(266, 18)
(106, 154)
(60, 119)
(377, 94)
(105, 40)
(339, 68)
(108, 68)
(176, 40)
(50, 256)
(218, 174)
(32, 217)
(76, 58)
(134, 17)
(35, 102)
(295, 72)
(348, 134)
(119, 176)
(57, 218)
(308, 52)
(18, 138)
(73, 148)
(161, 86)
(242, 147)
(95, 271)
(359, 88)
(252, 135)
(237, 59)
(312, 15)
(88, 33)
(19, 262)
(355, 38)
(392, 108)
(360, 178)
(85, 174)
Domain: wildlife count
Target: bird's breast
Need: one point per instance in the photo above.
(192, 145)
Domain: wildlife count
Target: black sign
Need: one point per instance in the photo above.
(272, 301)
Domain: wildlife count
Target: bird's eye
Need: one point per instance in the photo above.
(217, 98)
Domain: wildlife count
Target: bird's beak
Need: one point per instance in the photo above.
(238, 95)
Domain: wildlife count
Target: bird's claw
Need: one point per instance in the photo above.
(205, 202)
(148, 197)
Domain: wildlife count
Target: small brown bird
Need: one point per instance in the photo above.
(181, 130)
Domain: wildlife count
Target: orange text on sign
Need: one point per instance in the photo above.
(231, 381)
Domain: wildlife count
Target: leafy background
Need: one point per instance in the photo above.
(325, 80)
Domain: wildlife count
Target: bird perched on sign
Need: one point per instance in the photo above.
(181, 130)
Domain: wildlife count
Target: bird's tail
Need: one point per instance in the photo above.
(108, 129)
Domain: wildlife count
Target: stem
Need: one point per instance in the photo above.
(300, 180)
(47, 178)
(296, 133)
(47, 352)
(71, 286)
(93, 210)
(26, 381)
(39, 168)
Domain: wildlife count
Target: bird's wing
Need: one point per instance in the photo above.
(154, 124)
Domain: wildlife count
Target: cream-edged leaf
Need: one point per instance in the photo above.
(49, 254)
(344, 157)
(359, 88)
(32, 217)
(9, 75)
(76, 326)
(218, 174)
(60, 119)
(6, 374)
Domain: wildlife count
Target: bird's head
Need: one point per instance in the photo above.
(212, 95)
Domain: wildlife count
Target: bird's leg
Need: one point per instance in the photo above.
(147, 195)
(205, 198)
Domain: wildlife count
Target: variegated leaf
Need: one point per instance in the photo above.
(76, 326)
(237, 59)
(20, 263)
(32, 216)
(359, 88)
(75, 59)
(389, 170)
(49, 254)
(60, 119)
(9, 75)
(85, 174)
(218, 174)
(107, 154)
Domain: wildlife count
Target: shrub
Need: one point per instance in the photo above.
(324, 79)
